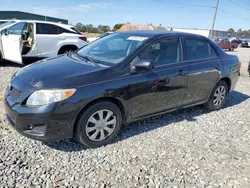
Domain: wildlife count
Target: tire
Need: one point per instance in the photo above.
(232, 48)
(86, 130)
(211, 104)
(65, 49)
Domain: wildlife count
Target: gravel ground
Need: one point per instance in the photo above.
(187, 148)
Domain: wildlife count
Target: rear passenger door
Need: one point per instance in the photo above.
(48, 39)
(204, 69)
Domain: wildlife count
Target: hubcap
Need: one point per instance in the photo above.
(219, 95)
(100, 125)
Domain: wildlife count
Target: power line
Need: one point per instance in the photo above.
(205, 6)
(240, 5)
(189, 4)
(230, 13)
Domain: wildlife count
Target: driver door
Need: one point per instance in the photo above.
(12, 43)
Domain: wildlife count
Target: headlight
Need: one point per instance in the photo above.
(43, 97)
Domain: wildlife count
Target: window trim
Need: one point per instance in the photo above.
(201, 39)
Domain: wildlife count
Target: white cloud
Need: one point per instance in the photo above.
(88, 6)
(61, 11)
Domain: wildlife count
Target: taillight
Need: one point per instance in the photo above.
(83, 38)
(239, 64)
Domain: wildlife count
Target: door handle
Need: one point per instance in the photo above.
(182, 72)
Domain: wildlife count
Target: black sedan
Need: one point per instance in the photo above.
(245, 43)
(116, 80)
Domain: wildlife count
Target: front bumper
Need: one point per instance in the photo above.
(40, 123)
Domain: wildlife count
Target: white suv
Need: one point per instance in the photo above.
(23, 39)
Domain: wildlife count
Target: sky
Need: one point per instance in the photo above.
(169, 13)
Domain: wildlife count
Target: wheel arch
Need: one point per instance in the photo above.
(228, 82)
(67, 46)
(116, 101)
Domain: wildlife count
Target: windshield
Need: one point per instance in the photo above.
(6, 24)
(103, 35)
(113, 48)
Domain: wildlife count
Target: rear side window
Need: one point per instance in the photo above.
(213, 52)
(62, 30)
(49, 29)
(198, 49)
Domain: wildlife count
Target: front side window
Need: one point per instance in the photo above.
(6, 24)
(197, 49)
(16, 29)
(48, 29)
(163, 52)
(113, 48)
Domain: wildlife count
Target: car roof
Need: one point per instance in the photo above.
(45, 22)
(161, 33)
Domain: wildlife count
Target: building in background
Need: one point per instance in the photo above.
(203, 32)
(208, 33)
(9, 15)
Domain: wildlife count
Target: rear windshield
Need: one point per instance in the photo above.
(78, 32)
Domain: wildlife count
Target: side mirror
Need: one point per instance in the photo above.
(144, 65)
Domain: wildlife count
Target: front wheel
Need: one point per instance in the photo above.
(218, 96)
(99, 124)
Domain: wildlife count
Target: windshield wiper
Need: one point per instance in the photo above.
(86, 58)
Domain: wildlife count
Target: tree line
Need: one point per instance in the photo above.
(244, 32)
(99, 29)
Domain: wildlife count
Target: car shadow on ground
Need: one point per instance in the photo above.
(5, 63)
(149, 124)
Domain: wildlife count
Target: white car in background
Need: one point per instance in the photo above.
(26, 39)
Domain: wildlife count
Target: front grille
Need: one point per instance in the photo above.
(14, 93)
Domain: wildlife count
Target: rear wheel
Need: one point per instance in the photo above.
(66, 49)
(218, 96)
(99, 124)
(231, 49)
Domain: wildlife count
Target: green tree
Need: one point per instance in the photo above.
(78, 26)
(245, 32)
(117, 26)
(239, 30)
(231, 30)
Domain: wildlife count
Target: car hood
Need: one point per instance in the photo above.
(62, 71)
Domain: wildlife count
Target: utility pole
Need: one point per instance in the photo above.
(215, 14)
